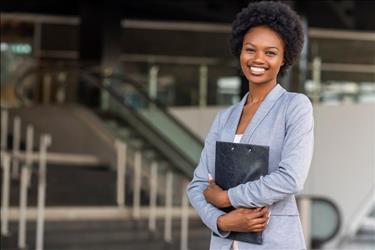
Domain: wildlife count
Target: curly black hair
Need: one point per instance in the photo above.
(277, 16)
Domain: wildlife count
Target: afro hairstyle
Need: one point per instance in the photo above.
(277, 16)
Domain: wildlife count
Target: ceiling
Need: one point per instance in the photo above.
(345, 15)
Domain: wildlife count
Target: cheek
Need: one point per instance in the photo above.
(243, 62)
(277, 63)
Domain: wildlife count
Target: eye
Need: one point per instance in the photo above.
(250, 50)
(270, 53)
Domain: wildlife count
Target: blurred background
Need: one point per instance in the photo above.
(105, 107)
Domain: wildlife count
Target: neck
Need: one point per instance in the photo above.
(257, 93)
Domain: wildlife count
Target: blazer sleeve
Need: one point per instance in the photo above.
(207, 212)
(293, 168)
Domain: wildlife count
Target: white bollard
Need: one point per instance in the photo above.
(16, 147)
(45, 141)
(137, 185)
(121, 172)
(184, 218)
(4, 129)
(29, 152)
(5, 158)
(305, 214)
(23, 207)
(168, 207)
(153, 196)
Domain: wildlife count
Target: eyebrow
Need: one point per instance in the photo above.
(269, 47)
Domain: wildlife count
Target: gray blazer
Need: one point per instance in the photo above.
(284, 122)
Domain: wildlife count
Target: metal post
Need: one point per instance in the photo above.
(23, 207)
(184, 218)
(317, 69)
(47, 79)
(121, 171)
(29, 152)
(45, 141)
(137, 185)
(5, 194)
(153, 196)
(153, 82)
(104, 95)
(203, 83)
(305, 213)
(16, 147)
(168, 207)
(61, 92)
(4, 129)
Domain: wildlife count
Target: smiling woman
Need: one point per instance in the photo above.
(266, 38)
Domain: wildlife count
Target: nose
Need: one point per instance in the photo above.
(258, 58)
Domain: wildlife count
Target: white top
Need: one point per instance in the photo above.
(237, 139)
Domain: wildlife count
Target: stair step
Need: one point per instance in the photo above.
(109, 235)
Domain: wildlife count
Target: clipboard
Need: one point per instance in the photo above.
(238, 163)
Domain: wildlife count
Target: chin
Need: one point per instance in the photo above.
(259, 80)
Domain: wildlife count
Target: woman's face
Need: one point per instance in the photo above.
(262, 55)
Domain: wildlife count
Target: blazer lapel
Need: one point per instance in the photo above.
(233, 120)
(262, 111)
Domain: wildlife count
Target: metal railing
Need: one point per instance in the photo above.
(11, 159)
(10, 162)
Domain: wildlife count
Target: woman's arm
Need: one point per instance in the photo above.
(293, 168)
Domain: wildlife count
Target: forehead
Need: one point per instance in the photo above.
(263, 36)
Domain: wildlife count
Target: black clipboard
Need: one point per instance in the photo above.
(238, 163)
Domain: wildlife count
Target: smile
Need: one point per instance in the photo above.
(257, 70)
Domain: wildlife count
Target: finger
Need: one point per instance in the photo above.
(263, 212)
(266, 209)
(259, 226)
(266, 215)
(260, 220)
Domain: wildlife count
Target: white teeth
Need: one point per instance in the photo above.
(257, 70)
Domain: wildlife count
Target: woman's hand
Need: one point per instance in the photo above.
(244, 220)
(216, 195)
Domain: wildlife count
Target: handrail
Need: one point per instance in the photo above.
(92, 76)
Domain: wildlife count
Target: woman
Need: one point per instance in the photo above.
(267, 37)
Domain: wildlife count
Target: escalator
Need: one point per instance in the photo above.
(130, 114)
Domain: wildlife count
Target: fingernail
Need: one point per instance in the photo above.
(269, 214)
(210, 177)
(268, 221)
